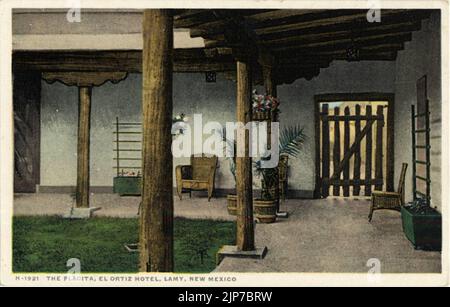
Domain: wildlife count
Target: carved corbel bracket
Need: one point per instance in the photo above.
(84, 79)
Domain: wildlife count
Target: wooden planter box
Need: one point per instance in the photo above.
(265, 211)
(264, 116)
(423, 230)
(127, 186)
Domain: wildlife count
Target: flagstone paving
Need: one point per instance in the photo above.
(334, 235)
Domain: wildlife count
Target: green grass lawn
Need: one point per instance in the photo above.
(44, 244)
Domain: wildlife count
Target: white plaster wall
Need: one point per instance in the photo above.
(420, 57)
(192, 95)
(216, 101)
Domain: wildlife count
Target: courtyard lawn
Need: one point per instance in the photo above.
(44, 244)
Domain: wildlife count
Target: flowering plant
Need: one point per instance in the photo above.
(264, 103)
(178, 119)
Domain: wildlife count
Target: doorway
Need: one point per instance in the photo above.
(354, 144)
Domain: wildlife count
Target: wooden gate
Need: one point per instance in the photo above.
(351, 145)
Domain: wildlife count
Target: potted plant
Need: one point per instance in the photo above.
(422, 225)
(267, 206)
(264, 107)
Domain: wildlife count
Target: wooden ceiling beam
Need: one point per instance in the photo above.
(129, 61)
(200, 17)
(219, 20)
(359, 33)
(387, 52)
(191, 17)
(262, 17)
(300, 60)
(329, 21)
(301, 16)
(304, 20)
(345, 44)
(304, 64)
(348, 24)
(266, 20)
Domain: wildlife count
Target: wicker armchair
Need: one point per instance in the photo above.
(390, 200)
(283, 175)
(198, 176)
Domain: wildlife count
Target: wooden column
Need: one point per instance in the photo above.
(84, 125)
(156, 229)
(85, 81)
(269, 82)
(245, 240)
(271, 89)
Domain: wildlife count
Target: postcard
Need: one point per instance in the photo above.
(224, 144)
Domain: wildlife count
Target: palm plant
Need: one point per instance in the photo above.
(291, 140)
(290, 143)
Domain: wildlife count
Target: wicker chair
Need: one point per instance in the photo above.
(198, 176)
(389, 200)
(283, 175)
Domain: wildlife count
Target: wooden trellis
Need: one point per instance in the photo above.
(128, 149)
(421, 146)
(127, 158)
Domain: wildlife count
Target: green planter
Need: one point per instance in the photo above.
(423, 230)
(127, 186)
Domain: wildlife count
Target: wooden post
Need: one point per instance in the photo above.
(269, 83)
(245, 239)
(317, 124)
(84, 81)
(379, 149)
(346, 171)
(84, 120)
(357, 166)
(156, 229)
(390, 144)
(414, 151)
(271, 89)
(325, 152)
(368, 171)
(336, 151)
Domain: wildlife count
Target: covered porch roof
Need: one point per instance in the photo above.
(296, 43)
